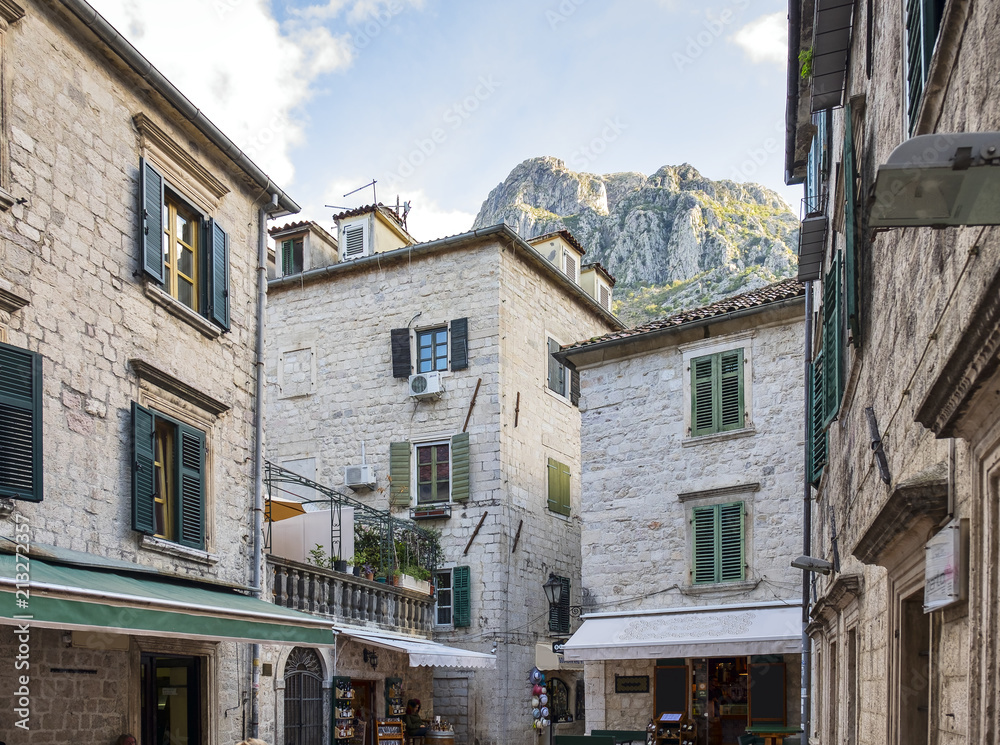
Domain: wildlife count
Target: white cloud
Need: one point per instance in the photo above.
(248, 75)
(765, 39)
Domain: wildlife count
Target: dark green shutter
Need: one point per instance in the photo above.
(151, 220)
(923, 22)
(731, 563)
(832, 341)
(20, 424)
(400, 342)
(459, 343)
(399, 474)
(287, 257)
(559, 612)
(817, 445)
(191, 486)
(850, 231)
(731, 390)
(143, 475)
(556, 380)
(704, 545)
(218, 276)
(461, 597)
(460, 467)
(574, 387)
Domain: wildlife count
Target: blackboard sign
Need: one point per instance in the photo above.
(767, 693)
(671, 689)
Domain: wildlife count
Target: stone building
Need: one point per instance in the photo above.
(903, 390)
(692, 439)
(131, 243)
(419, 379)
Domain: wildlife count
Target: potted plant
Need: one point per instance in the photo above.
(368, 571)
(339, 564)
(317, 555)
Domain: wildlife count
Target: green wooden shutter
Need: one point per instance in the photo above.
(705, 547)
(151, 220)
(20, 424)
(459, 329)
(191, 486)
(559, 613)
(461, 597)
(731, 563)
(553, 472)
(459, 467)
(850, 231)
(832, 341)
(574, 387)
(703, 420)
(731, 408)
(287, 257)
(400, 343)
(142, 469)
(817, 446)
(218, 275)
(564, 481)
(399, 474)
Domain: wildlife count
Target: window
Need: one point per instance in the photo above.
(570, 266)
(452, 601)
(923, 21)
(168, 478)
(718, 543)
(561, 380)
(717, 403)
(442, 471)
(21, 431)
(432, 349)
(559, 612)
(432, 346)
(291, 256)
(433, 473)
(559, 480)
(184, 251)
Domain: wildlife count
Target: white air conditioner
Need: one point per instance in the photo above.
(425, 385)
(359, 476)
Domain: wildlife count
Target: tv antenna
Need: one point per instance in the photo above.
(374, 196)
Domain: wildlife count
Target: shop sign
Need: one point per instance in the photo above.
(558, 644)
(943, 570)
(631, 683)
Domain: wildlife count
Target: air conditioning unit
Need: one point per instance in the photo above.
(425, 385)
(359, 477)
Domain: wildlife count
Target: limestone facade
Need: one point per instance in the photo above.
(340, 320)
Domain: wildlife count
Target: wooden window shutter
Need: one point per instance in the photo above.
(401, 365)
(151, 220)
(731, 562)
(21, 428)
(556, 380)
(191, 486)
(559, 480)
(832, 342)
(354, 241)
(461, 597)
(564, 483)
(703, 409)
(559, 613)
(142, 469)
(574, 387)
(817, 444)
(850, 231)
(287, 257)
(218, 275)
(459, 329)
(705, 546)
(460, 467)
(399, 474)
(731, 408)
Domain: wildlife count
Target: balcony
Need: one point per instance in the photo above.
(349, 599)
(812, 237)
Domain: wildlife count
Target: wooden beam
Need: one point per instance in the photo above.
(475, 533)
(472, 403)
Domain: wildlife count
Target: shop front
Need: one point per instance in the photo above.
(703, 675)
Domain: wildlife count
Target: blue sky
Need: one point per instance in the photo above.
(438, 100)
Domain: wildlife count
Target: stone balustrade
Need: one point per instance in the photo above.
(350, 599)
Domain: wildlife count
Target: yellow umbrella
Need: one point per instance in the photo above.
(276, 508)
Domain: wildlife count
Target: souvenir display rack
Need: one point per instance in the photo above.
(394, 698)
(389, 732)
(343, 709)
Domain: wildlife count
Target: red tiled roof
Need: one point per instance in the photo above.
(568, 236)
(365, 209)
(288, 226)
(784, 290)
(602, 268)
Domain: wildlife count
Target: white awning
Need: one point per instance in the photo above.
(716, 631)
(422, 651)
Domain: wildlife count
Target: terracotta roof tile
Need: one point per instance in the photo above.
(365, 209)
(784, 290)
(288, 226)
(565, 234)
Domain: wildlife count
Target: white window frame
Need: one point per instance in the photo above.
(567, 381)
(451, 593)
(691, 351)
(415, 501)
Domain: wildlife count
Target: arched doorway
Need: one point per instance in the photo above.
(303, 698)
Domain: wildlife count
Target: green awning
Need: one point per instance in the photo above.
(75, 598)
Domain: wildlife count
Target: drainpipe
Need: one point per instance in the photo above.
(807, 527)
(258, 457)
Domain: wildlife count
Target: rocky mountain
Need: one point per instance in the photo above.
(673, 240)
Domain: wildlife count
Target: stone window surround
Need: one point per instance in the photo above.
(742, 493)
(10, 12)
(704, 347)
(160, 391)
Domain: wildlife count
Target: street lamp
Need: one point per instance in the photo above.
(370, 657)
(553, 590)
